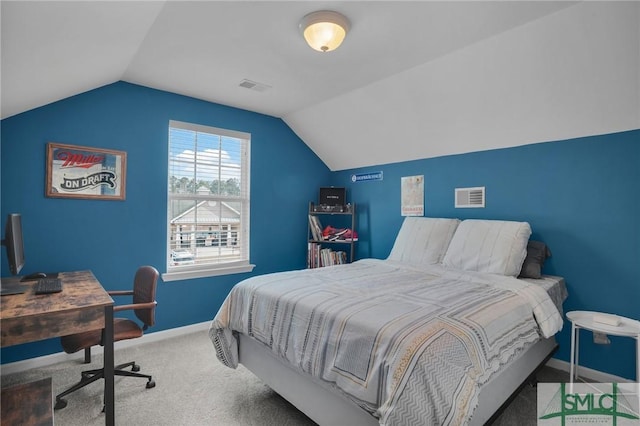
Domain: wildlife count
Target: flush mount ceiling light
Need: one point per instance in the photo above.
(324, 30)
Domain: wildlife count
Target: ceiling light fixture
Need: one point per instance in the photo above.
(324, 30)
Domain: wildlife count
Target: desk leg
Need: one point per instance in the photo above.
(109, 361)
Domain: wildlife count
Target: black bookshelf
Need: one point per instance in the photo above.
(319, 217)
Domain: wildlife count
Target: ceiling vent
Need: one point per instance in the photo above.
(470, 197)
(252, 85)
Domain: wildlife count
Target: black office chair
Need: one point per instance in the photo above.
(144, 305)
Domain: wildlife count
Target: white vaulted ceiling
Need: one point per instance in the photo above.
(412, 80)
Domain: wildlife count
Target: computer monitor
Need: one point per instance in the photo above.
(14, 243)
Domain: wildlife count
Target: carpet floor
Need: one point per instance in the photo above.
(193, 388)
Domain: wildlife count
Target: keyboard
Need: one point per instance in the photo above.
(48, 285)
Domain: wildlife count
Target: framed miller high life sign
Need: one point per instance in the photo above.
(84, 172)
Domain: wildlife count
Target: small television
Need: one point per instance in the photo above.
(13, 242)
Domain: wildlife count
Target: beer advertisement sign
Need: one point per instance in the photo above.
(84, 172)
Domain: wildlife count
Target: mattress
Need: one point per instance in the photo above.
(554, 286)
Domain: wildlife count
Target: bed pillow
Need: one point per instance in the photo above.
(423, 240)
(492, 246)
(537, 253)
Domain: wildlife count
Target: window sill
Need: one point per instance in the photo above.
(202, 273)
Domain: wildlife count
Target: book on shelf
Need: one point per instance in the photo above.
(316, 227)
(318, 257)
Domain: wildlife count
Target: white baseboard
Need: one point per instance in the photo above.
(587, 373)
(46, 360)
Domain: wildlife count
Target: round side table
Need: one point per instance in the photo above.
(586, 319)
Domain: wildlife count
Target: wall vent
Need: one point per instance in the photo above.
(252, 85)
(470, 197)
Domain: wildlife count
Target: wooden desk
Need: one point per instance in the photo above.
(82, 305)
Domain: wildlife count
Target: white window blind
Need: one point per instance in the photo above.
(208, 201)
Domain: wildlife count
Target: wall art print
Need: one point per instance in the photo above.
(85, 172)
(412, 195)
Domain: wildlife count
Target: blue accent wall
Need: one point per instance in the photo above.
(581, 197)
(113, 238)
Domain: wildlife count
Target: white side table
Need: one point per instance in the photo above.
(585, 319)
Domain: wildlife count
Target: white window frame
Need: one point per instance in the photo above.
(183, 272)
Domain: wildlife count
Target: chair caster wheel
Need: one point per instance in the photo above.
(135, 367)
(60, 404)
(151, 384)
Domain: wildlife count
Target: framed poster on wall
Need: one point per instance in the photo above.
(85, 172)
(412, 195)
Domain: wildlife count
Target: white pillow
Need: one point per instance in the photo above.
(492, 246)
(423, 240)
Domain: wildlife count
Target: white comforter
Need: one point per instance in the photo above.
(404, 343)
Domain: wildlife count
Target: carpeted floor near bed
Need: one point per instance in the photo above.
(193, 388)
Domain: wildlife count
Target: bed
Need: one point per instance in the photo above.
(440, 332)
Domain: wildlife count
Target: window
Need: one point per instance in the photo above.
(208, 202)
